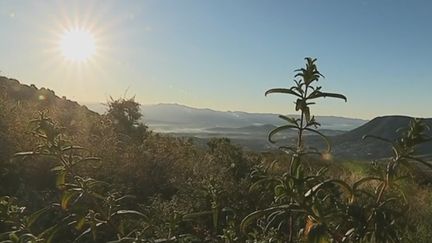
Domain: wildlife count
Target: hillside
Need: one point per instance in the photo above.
(21, 103)
(15, 91)
(351, 144)
(384, 126)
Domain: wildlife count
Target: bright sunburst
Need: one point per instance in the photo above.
(77, 45)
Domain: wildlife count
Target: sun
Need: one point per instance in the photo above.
(77, 45)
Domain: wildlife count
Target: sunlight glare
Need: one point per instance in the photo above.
(77, 45)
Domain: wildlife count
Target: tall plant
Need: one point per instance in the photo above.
(306, 91)
(290, 202)
(315, 208)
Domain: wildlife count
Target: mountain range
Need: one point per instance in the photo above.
(249, 130)
(176, 118)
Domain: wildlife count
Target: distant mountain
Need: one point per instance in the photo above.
(257, 129)
(175, 118)
(247, 129)
(185, 116)
(384, 126)
(346, 145)
(264, 129)
(351, 144)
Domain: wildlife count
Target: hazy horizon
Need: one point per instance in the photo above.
(224, 55)
(289, 111)
(216, 110)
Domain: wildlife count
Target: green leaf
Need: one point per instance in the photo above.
(53, 234)
(279, 190)
(256, 184)
(306, 111)
(324, 137)
(14, 237)
(88, 159)
(273, 217)
(80, 223)
(318, 94)
(67, 148)
(288, 148)
(419, 160)
(249, 219)
(50, 232)
(25, 238)
(283, 91)
(66, 197)
(300, 105)
(130, 212)
(91, 229)
(21, 154)
(35, 216)
(97, 195)
(190, 216)
(58, 168)
(327, 183)
(318, 234)
(377, 138)
(124, 197)
(289, 119)
(278, 129)
(215, 217)
(364, 180)
(60, 180)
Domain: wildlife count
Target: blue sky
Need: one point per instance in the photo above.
(224, 54)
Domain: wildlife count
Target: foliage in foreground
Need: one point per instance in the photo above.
(314, 208)
(127, 184)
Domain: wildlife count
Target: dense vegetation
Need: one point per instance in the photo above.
(70, 175)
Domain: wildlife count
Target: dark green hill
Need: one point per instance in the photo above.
(351, 144)
(384, 126)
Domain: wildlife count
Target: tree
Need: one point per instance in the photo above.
(125, 115)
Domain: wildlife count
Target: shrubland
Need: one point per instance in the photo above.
(70, 175)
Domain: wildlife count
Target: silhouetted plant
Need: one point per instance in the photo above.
(293, 210)
(384, 217)
(315, 208)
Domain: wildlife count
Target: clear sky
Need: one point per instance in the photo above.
(224, 54)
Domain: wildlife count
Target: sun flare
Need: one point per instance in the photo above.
(77, 45)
